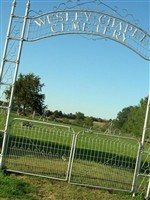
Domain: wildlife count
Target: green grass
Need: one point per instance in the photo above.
(23, 187)
(100, 160)
(39, 150)
(2, 119)
(52, 167)
(45, 132)
(83, 171)
(12, 188)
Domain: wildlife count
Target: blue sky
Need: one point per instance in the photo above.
(98, 78)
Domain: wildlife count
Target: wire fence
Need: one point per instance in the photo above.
(105, 161)
(56, 151)
(39, 148)
(144, 174)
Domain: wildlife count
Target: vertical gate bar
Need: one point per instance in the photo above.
(141, 148)
(72, 159)
(137, 170)
(7, 37)
(148, 191)
(13, 83)
(71, 153)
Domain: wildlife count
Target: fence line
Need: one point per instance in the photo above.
(85, 158)
(37, 148)
(104, 161)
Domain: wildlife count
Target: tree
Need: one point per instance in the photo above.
(27, 96)
(57, 114)
(122, 116)
(88, 121)
(131, 119)
(79, 116)
(47, 113)
(70, 116)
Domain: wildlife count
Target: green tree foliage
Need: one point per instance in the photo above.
(131, 119)
(88, 121)
(70, 116)
(79, 117)
(57, 114)
(122, 116)
(27, 96)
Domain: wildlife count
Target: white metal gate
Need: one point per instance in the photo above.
(39, 148)
(104, 161)
(56, 151)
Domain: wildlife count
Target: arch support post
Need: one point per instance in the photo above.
(141, 151)
(14, 64)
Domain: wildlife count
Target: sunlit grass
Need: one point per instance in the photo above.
(100, 160)
(11, 188)
(23, 187)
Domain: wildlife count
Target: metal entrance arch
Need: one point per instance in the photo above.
(66, 18)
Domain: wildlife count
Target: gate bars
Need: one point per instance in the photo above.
(40, 149)
(56, 151)
(105, 161)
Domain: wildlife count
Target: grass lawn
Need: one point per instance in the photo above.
(23, 187)
(43, 149)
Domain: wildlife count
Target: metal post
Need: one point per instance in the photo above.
(2, 68)
(148, 191)
(143, 140)
(141, 148)
(137, 170)
(146, 121)
(13, 85)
